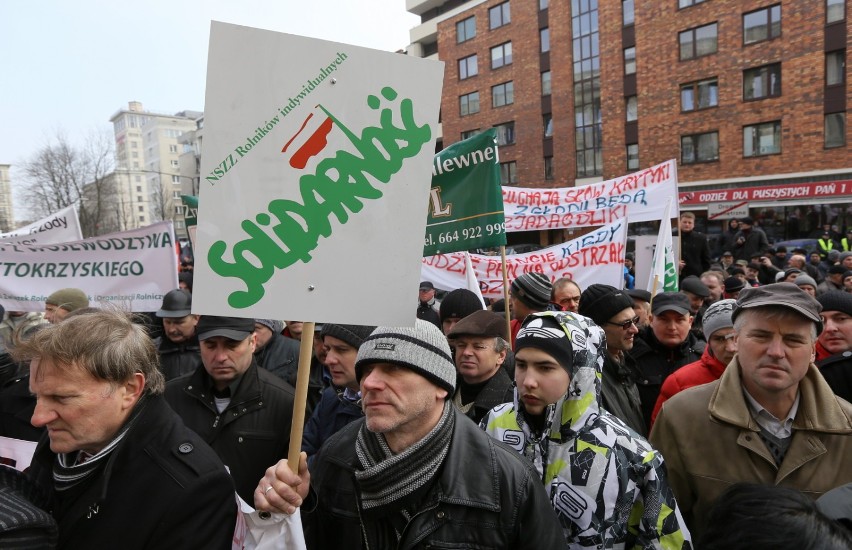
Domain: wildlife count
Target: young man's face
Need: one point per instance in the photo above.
(541, 380)
(671, 328)
(836, 335)
(340, 360)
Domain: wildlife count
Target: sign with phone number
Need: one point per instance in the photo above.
(464, 234)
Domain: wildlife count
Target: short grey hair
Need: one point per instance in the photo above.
(106, 344)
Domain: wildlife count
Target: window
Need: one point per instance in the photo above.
(499, 15)
(631, 108)
(468, 67)
(630, 60)
(134, 154)
(699, 148)
(762, 139)
(138, 188)
(508, 173)
(835, 130)
(178, 210)
(176, 195)
(505, 133)
(175, 164)
(501, 55)
(137, 178)
(762, 82)
(835, 67)
(545, 83)
(762, 24)
(835, 10)
(465, 29)
(469, 104)
(175, 179)
(141, 218)
(633, 156)
(139, 197)
(699, 95)
(544, 37)
(543, 4)
(627, 12)
(547, 122)
(503, 94)
(141, 208)
(548, 168)
(469, 133)
(133, 145)
(687, 3)
(136, 165)
(173, 149)
(698, 41)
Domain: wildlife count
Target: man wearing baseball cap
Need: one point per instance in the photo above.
(426, 309)
(663, 347)
(771, 418)
(415, 472)
(238, 408)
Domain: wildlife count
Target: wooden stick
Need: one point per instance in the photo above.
(506, 293)
(306, 351)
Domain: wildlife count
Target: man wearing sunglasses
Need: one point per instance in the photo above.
(612, 310)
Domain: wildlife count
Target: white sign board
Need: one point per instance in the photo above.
(596, 257)
(56, 228)
(727, 210)
(132, 270)
(315, 179)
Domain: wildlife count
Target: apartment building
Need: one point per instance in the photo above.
(749, 96)
(7, 214)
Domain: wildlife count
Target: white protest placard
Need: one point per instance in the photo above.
(16, 453)
(132, 270)
(597, 257)
(62, 227)
(637, 197)
(315, 179)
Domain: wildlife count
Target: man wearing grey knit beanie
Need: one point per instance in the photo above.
(414, 471)
(530, 293)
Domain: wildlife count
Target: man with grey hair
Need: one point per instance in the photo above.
(415, 471)
(116, 460)
(771, 418)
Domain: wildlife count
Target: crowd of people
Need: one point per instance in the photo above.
(599, 417)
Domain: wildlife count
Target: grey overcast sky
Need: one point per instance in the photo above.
(68, 66)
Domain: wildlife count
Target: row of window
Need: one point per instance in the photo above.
(509, 171)
(501, 55)
(835, 10)
(501, 95)
(498, 16)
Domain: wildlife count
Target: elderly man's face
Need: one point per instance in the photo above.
(180, 329)
(774, 353)
(476, 358)
(836, 335)
(80, 412)
(568, 296)
(714, 286)
(226, 360)
(54, 314)
(671, 328)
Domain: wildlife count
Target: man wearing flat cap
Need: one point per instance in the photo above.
(665, 346)
(178, 346)
(834, 345)
(426, 309)
(771, 418)
(480, 345)
(612, 310)
(238, 408)
(415, 472)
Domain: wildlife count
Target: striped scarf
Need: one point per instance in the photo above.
(387, 478)
(69, 471)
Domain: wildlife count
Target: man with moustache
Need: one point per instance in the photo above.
(178, 347)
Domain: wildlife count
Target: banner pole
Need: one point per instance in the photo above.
(506, 292)
(306, 350)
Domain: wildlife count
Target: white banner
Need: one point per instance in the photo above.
(637, 197)
(132, 270)
(61, 227)
(316, 174)
(597, 257)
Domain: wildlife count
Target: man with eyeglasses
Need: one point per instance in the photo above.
(721, 347)
(612, 310)
(566, 293)
(664, 346)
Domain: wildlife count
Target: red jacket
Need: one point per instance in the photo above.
(821, 353)
(705, 370)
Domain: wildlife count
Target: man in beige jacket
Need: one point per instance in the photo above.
(770, 419)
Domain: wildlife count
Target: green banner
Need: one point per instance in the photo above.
(466, 200)
(190, 214)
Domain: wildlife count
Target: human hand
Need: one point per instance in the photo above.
(281, 490)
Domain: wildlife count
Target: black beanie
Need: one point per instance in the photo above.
(533, 289)
(836, 300)
(603, 302)
(545, 333)
(354, 335)
(459, 303)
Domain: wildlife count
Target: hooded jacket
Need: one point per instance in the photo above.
(606, 483)
(711, 441)
(705, 370)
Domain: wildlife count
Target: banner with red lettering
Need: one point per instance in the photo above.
(597, 257)
(637, 197)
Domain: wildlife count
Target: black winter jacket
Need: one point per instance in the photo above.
(655, 362)
(177, 360)
(251, 434)
(619, 393)
(329, 417)
(485, 495)
(163, 487)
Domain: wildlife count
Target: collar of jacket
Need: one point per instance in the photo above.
(711, 363)
(246, 398)
(818, 407)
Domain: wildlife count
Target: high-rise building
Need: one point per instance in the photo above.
(7, 215)
(750, 98)
(148, 169)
